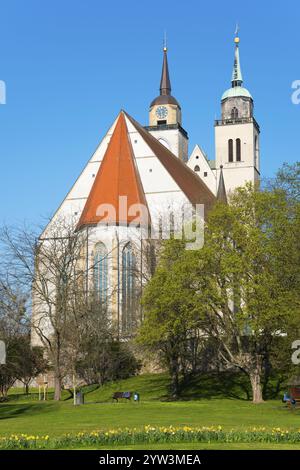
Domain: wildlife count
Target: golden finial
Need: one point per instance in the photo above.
(237, 29)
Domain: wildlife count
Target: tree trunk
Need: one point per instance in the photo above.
(175, 377)
(175, 386)
(266, 376)
(74, 389)
(57, 370)
(27, 389)
(57, 386)
(256, 386)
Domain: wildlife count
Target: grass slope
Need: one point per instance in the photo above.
(206, 401)
(154, 387)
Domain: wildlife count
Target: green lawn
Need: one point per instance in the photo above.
(207, 446)
(59, 418)
(227, 408)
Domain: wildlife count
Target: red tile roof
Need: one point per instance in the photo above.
(117, 176)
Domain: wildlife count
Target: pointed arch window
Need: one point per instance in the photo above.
(230, 150)
(256, 150)
(128, 288)
(234, 113)
(160, 227)
(238, 150)
(101, 272)
(197, 168)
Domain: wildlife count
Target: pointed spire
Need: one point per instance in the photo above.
(237, 88)
(165, 96)
(237, 78)
(165, 84)
(221, 193)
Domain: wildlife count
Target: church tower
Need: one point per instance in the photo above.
(237, 133)
(165, 117)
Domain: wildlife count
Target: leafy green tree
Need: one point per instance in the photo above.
(288, 179)
(100, 356)
(170, 318)
(106, 361)
(8, 374)
(29, 361)
(247, 294)
(22, 361)
(240, 291)
(12, 327)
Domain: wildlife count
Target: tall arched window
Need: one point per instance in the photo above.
(230, 150)
(238, 150)
(197, 168)
(101, 272)
(234, 113)
(128, 288)
(256, 150)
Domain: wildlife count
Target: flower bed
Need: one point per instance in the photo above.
(148, 435)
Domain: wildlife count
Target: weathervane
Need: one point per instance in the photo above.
(237, 30)
(165, 40)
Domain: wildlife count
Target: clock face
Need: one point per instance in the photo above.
(161, 112)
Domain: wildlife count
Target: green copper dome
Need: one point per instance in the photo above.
(237, 91)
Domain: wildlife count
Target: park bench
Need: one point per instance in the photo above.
(292, 398)
(295, 394)
(117, 395)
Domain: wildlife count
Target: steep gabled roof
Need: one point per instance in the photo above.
(117, 176)
(195, 190)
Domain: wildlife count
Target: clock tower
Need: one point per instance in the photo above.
(165, 117)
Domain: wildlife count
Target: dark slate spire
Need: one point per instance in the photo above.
(221, 194)
(165, 96)
(165, 84)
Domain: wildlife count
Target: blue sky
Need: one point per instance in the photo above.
(70, 66)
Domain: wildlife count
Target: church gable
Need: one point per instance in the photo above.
(199, 164)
